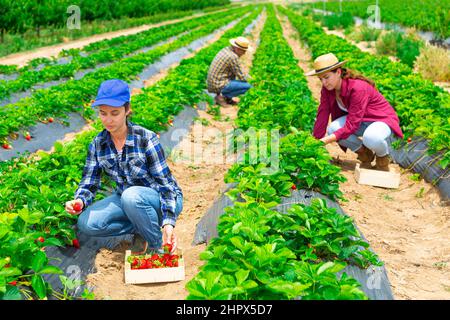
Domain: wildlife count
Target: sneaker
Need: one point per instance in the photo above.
(139, 245)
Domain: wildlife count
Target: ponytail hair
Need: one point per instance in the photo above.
(352, 74)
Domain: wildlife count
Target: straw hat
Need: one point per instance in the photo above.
(241, 43)
(325, 63)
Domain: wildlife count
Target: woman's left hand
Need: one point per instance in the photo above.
(169, 236)
(329, 139)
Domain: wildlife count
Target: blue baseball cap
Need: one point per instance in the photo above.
(114, 93)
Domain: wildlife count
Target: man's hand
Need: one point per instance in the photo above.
(74, 206)
(169, 236)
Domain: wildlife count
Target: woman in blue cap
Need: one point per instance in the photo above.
(147, 198)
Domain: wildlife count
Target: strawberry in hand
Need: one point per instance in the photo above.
(77, 207)
(167, 247)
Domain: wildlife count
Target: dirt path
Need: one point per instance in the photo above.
(201, 182)
(409, 228)
(22, 58)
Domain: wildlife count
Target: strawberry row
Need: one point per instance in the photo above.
(423, 108)
(125, 45)
(75, 95)
(32, 190)
(428, 15)
(48, 36)
(261, 253)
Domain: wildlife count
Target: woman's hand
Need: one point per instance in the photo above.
(329, 139)
(169, 236)
(74, 206)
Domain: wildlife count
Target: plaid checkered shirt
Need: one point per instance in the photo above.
(224, 68)
(142, 163)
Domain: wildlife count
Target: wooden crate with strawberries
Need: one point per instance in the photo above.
(154, 268)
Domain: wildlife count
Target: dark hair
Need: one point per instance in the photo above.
(352, 74)
(127, 107)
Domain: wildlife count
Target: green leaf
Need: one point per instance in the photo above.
(196, 289)
(236, 227)
(2, 284)
(206, 255)
(50, 270)
(39, 260)
(38, 284)
(10, 272)
(325, 267)
(12, 293)
(237, 242)
(58, 208)
(53, 242)
(242, 275)
(249, 284)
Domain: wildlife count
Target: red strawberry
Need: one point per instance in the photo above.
(77, 206)
(167, 247)
(169, 264)
(294, 187)
(154, 257)
(28, 137)
(13, 283)
(50, 119)
(76, 243)
(40, 239)
(6, 146)
(409, 140)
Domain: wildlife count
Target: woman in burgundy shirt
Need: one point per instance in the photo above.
(357, 111)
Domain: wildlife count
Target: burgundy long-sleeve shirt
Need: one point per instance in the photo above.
(363, 102)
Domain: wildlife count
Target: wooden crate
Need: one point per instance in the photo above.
(133, 276)
(386, 179)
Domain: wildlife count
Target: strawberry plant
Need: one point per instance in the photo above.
(264, 254)
(427, 15)
(126, 45)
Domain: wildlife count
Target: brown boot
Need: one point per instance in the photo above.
(232, 101)
(221, 101)
(366, 157)
(382, 163)
(139, 245)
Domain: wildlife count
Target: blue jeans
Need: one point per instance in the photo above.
(138, 209)
(235, 88)
(375, 135)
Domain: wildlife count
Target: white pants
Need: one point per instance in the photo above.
(375, 136)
